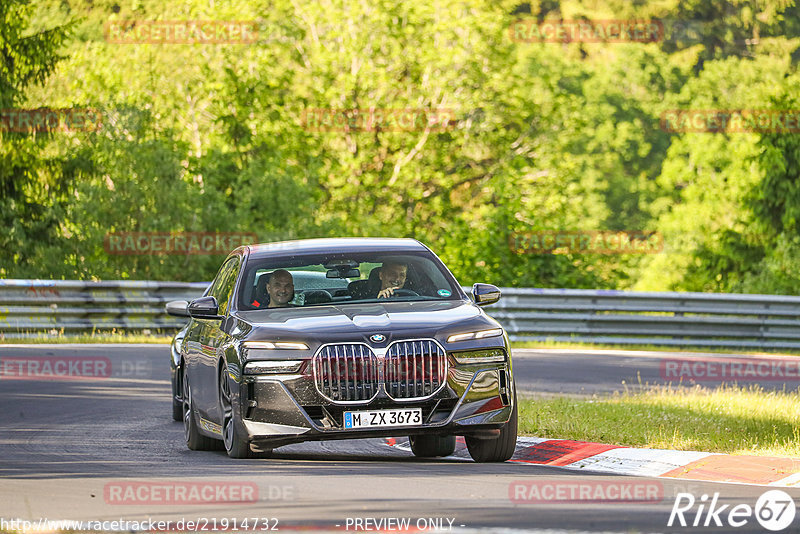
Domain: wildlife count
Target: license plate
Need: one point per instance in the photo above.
(379, 418)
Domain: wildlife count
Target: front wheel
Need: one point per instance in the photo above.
(235, 444)
(177, 410)
(194, 439)
(432, 446)
(177, 402)
(497, 449)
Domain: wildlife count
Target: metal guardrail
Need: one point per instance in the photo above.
(31, 307)
(670, 319)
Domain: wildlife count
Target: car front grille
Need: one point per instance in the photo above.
(414, 369)
(346, 372)
(351, 372)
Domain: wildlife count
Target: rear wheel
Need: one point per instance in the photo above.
(497, 449)
(235, 444)
(194, 439)
(432, 446)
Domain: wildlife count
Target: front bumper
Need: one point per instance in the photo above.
(277, 410)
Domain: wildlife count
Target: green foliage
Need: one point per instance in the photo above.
(709, 215)
(543, 137)
(34, 183)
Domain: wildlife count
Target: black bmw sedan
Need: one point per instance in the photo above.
(347, 338)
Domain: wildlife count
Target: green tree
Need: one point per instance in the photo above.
(33, 185)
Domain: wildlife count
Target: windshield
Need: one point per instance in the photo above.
(337, 278)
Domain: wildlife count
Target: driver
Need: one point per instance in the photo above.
(280, 288)
(392, 276)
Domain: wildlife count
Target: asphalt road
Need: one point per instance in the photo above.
(588, 372)
(71, 449)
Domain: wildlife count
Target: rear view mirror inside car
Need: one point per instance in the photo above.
(343, 273)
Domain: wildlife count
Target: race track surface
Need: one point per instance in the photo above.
(70, 449)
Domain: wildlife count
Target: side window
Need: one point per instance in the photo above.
(223, 284)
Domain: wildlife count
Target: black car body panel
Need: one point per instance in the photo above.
(359, 356)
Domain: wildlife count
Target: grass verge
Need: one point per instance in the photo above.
(728, 419)
(113, 336)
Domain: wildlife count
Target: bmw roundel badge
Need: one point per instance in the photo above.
(377, 338)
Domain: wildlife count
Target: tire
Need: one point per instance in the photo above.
(177, 405)
(262, 453)
(498, 449)
(432, 446)
(194, 439)
(235, 445)
(177, 410)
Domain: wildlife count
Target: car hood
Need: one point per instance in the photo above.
(356, 322)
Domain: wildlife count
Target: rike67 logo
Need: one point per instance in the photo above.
(774, 510)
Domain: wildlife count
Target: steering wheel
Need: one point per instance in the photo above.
(405, 293)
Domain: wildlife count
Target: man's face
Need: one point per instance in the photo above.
(393, 275)
(280, 289)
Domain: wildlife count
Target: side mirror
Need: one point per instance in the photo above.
(485, 294)
(204, 308)
(178, 308)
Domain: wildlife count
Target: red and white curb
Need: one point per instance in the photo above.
(687, 465)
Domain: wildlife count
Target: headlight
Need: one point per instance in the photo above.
(272, 367)
(480, 356)
(286, 345)
(480, 334)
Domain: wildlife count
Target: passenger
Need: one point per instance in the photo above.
(280, 289)
(392, 276)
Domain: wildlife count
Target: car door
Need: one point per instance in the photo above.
(192, 348)
(211, 338)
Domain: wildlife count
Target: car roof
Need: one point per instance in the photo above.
(337, 245)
